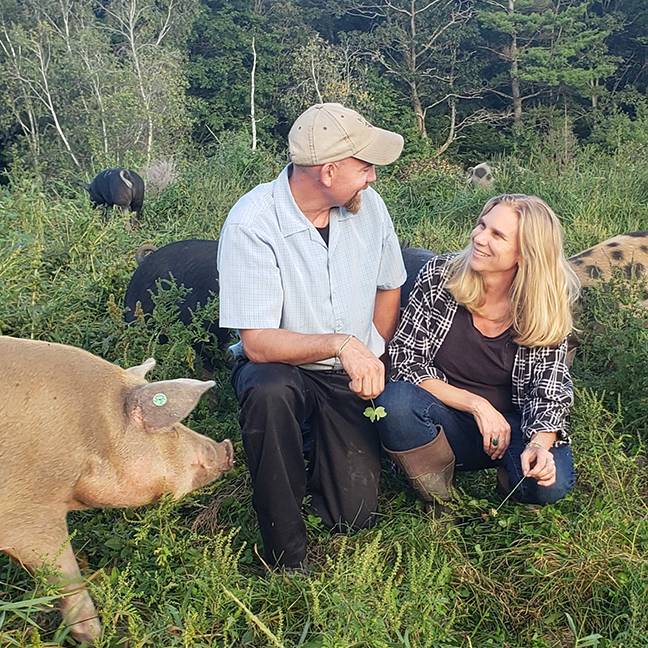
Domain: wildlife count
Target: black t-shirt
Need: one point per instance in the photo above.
(324, 233)
(479, 364)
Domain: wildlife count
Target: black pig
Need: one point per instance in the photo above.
(118, 187)
(191, 264)
(414, 259)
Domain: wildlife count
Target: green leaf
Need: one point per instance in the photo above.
(380, 412)
(375, 413)
(114, 543)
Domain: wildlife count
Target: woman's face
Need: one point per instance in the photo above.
(495, 247)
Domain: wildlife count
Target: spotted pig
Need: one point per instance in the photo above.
(626, 251)
(480, 176)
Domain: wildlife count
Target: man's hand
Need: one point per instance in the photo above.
(366, 371)
(538, 463)
(494, 428)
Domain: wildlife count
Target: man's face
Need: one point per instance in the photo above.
(351, 177)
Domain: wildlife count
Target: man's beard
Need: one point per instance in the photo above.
(353, 205)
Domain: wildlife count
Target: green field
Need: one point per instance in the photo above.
(187, 574)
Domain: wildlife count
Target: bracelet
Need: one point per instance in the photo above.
(535, 444)
(337, 355)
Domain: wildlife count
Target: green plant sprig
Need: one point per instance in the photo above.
(375, 413)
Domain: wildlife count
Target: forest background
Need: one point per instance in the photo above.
(88, 84)
(198, 96)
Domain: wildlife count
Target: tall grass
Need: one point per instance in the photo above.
(188, 573)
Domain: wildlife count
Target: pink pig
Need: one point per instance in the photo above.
(77, 432)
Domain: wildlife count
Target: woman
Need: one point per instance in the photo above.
(479, 367)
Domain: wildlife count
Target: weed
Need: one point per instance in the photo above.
(187, 574)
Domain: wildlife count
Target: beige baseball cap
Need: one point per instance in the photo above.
(330, 132)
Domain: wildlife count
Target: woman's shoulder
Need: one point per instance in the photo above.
(437, 269)
(545, 353)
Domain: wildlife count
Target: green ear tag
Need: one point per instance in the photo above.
(159, 399)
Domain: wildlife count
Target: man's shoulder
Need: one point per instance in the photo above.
(253, 208)
(373, 216)
(371, 199)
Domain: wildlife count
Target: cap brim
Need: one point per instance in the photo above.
(385, 148)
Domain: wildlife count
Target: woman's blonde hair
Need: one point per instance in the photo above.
(544, 287)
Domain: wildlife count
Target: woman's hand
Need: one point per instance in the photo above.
(538, 463)
(494, 428)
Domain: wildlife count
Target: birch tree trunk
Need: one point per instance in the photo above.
(252, 90)
(515, 74)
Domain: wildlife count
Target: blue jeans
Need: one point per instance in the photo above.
(413, 414)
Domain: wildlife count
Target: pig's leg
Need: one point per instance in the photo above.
(132, 223)
(77, 608)
(34, 545)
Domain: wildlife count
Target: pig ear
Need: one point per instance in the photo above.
(161, 404)
(141, 370)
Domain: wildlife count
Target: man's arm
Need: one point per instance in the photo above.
(366, 371)
(386, 311)
(280, 345)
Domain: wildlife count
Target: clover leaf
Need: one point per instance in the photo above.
(374, 413)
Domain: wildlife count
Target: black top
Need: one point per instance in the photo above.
(479, 364)
(324, 232)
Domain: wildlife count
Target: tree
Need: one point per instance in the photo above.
(409, 42)
(140, 31)
(97, 88)
(30, 60)
(628, 42)
(322, 72)
(545, 46)
(221, 59)
(425, 46)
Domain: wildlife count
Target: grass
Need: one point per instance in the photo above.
(188, 574)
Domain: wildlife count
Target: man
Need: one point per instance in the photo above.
(310, 273)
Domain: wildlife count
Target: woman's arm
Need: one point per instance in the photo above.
(410, 350)
(549, 395)
(459, 399)
(494, 428)
(545, 412)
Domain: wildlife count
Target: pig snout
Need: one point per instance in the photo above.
(213, 460)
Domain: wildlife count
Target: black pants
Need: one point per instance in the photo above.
(339, 467)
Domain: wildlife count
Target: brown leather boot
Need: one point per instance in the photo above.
(429, 468)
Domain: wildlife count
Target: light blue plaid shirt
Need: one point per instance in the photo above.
(275, 270)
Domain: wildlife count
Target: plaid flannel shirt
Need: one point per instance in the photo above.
(542, 386)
